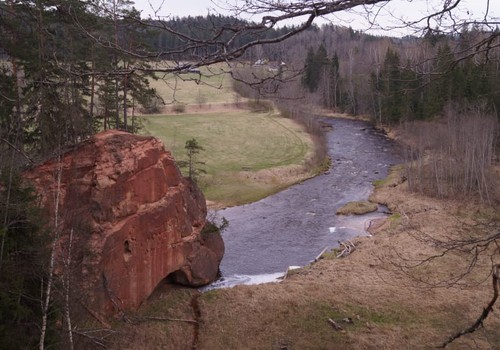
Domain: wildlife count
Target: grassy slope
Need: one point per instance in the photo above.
(238, 145)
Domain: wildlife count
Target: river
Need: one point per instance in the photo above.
(293, 226)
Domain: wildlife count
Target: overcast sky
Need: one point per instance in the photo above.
(389, 16)
(181, 8)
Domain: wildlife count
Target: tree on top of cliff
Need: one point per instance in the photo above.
(192, 149)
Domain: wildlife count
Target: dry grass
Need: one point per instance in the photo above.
(212, 87)
(392, 307)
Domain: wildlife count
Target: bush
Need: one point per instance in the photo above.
(451, 157)
(260, 106)
(179, 108)
(152, 106)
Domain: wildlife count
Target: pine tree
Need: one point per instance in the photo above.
(311, 71)
(334, 81)
(390, 88)
(192, 149)
(21, 266)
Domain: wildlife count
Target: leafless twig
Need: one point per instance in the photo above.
(486, 311)
(17, 150)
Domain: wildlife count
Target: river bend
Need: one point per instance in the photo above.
(295, 225)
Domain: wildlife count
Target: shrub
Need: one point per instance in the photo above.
(179, 108)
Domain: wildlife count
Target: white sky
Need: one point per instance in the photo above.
(389, 15)
(178, 8)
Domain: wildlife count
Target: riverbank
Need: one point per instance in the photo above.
(372, 296)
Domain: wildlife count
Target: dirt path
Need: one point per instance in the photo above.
(204, 108)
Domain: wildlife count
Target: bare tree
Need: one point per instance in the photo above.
(47, 288)
(67, 289)
(453, 157)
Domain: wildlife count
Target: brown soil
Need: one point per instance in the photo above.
(375, 298)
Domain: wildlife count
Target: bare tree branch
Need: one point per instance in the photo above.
(495, 276)
(17, 150)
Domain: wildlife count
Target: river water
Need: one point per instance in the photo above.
(292, 227)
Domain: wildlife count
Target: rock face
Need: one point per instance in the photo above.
(135, 220)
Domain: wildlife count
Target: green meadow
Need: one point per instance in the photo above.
(247, 155)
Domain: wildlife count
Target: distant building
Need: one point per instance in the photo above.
(261, 62)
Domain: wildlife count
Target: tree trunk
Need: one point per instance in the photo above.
(50, 278)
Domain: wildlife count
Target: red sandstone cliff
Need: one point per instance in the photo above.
(135, 219)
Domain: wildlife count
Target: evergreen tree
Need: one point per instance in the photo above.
(21, 266)
(316, 70)
(440, 88)
(389, 88)
(412, 93)
(334, 82)
(46, 48)
(192, 149)
(311, 71)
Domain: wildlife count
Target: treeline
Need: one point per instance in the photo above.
(211, 30)
(441, 92)
(394, 79)
(444, 97)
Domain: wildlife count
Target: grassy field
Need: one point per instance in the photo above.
(248, 155)
(214, 85)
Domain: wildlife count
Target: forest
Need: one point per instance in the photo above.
(69, 69)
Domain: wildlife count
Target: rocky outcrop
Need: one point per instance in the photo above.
(135, 220)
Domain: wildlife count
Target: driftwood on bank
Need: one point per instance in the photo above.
(320, 254)
(347, 248)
